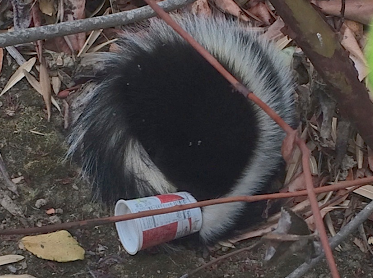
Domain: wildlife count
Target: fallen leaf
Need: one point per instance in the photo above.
(201, 7)
(9, 259)
(7, 203)
(310, 220)
(47, 7)
(36, 85)
(90, 41)
(370, 158)
(232, 8)
(274, 31)
(260, 10)
(365, 191)
(1, 58)
(291, 227)
(17, 276)
(297, 184)
(18, 180)
(288, 146)
(58, 246)
(18, 75)
(359, 243)
(350, 43)
(357, 10)
(74, 10)
(45, 86)
(56, 84)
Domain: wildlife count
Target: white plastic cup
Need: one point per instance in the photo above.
(141, 233)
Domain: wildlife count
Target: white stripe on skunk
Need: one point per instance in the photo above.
(162, 119)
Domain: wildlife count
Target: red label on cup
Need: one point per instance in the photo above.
(166, 198)
(159, 235)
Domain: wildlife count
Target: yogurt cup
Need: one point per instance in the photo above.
(140, 233)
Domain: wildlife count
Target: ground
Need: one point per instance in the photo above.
(34, 149)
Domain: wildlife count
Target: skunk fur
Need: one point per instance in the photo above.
(161, 119)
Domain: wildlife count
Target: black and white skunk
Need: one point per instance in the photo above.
(162, 119)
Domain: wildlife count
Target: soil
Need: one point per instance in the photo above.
(34, 149)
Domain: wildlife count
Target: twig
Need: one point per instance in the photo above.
(336, 240)
(343, 10)
(315, 209)
(85, 25)
(221, 258)
(112, 219)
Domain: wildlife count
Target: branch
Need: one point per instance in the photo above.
(336, 240)
(319, 43)
(85, 25)
(130, 216)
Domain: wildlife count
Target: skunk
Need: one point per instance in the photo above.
(161, 119)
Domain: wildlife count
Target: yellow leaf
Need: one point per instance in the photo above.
(47, 7)
(58, 246)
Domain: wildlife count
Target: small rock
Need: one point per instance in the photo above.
(40, 203)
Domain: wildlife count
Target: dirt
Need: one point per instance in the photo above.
(33, 149)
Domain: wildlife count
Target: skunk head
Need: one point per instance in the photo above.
(163, 119)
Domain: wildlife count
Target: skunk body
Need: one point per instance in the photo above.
(162, 119)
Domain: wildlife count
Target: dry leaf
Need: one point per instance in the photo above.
(101, 45)
(288, 146)
(370, 158)
(297, 184)
(45, 86)
(357, 10)
(291, 226)
(18, 179)
(1, 58)
(360, 243)
(356, 54)
(201, 7)
(229, 6)
(253, 234)
(90, 41)
(56, 84)
(47, 7)
(9, 259)
(75, 9)
(18, 75)
(7, 203)
(313, 166)
(17, 276)
(365, 191)
(274, 31)
(226, 244)
(36, 85)
(260, 11)
(358, 151)
(58, 246)
(310, 220)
